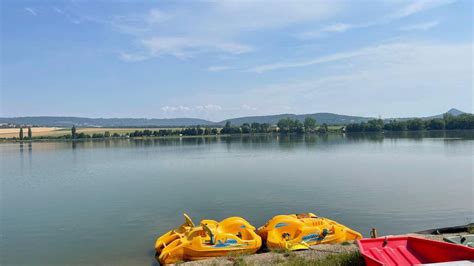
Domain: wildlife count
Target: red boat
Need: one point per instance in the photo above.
(407, 250)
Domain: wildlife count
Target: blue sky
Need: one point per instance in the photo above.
(223, 59)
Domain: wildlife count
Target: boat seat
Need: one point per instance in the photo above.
(407, 255)
(379, 255)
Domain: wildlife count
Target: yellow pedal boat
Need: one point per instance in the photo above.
(233, 235)
(300, 231)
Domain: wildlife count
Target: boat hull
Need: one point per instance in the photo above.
(210, 239)
(406, 250)
(293, 232)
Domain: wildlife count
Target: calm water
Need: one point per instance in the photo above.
(105, 202)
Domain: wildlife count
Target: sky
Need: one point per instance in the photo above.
(222, 59)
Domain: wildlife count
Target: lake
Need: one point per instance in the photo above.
(105, 202)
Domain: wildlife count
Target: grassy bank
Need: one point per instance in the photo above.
(293, 259)
(324, 254)
(344, 259)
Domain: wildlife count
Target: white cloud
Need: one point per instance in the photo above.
(326, 30)
(208, 107)
(408, 9)
(392, 79)
(183, 48)
(414, 7)
(318, 60)
(129, 57)
(217, 68)
(261, 14)
(58, 10)
(197, 108)
(175, 108)
(420, 26)
(30, 10)
(157, 16)
(247, 107)
(214, 26)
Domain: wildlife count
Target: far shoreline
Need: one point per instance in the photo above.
(331, 132)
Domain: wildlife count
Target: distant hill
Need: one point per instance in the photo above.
(328, 118)
(452, 111)
(59, 121)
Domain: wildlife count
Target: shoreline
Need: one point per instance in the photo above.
(343, 254)
(332, 132)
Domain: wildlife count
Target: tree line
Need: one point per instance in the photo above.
(22, 137)
(189, 131)
(284, 126)
(449, 122)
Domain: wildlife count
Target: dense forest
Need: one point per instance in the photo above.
(450, 122)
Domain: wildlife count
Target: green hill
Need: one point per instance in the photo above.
(62, 121)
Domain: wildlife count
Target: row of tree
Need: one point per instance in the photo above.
(22, 137)
(189, 131)
(309, 125)
(463, 121)
(288, 126)
(285, 126)
(246, 128)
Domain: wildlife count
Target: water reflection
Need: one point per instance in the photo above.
(286, 142)
(100, 202)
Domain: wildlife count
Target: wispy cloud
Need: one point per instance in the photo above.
(139, 25)
(58, 10)
(418, 6)
(378, 80)
(215, 26)
(247, 107)
(183, 48)
(405, 10)
(30, 10)
(217, 68)
(329, 29)
(129, 57)
(318, 60)
(420, 26)
(263, 14)
(196, 108)
(156, 15)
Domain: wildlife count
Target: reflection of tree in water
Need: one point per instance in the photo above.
(263, 141)
(257, 140)
(289, 141)
(356, 137)
(311, 140)
(316, 139)
(413, 135)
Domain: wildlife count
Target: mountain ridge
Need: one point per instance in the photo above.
(68, 121)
